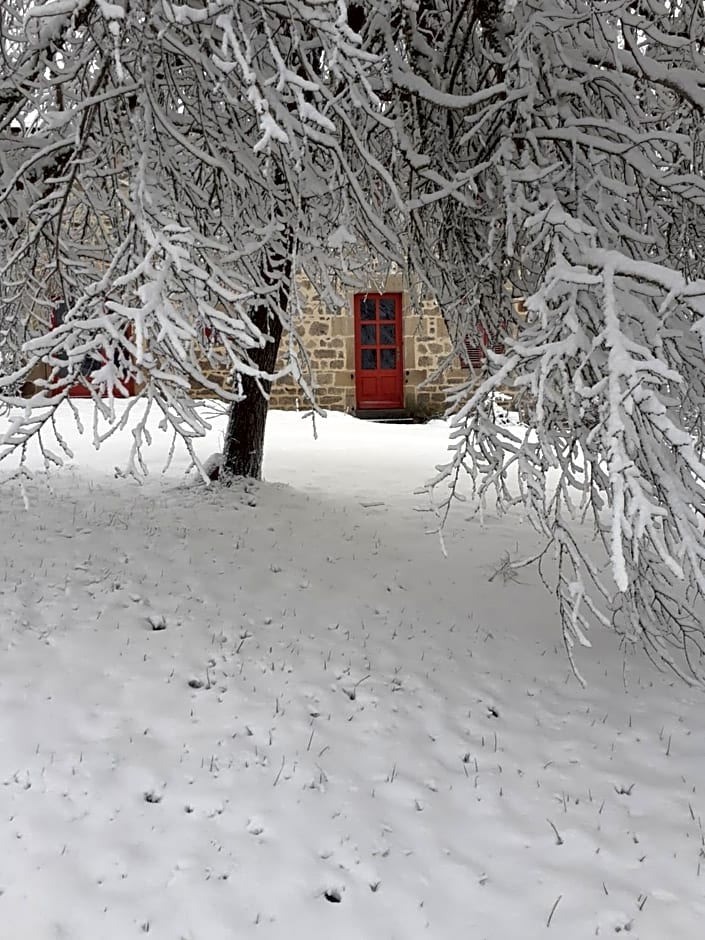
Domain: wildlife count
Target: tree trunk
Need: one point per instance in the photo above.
(243, 449)
(244, 438)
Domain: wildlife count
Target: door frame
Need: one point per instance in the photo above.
(398, 371)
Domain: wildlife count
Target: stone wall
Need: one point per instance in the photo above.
(328, 343)
(430, 366)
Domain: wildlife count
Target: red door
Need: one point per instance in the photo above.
(379, 375)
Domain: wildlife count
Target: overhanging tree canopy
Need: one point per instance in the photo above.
(598, 163)
(167, 168)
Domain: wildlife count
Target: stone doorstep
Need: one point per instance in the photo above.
(384, 415)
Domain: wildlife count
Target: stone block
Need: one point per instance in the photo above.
(331, 401)
(334, 343)
(394, 284)
(349, 355)
(344, 379)
(414, 377)
(342, 325)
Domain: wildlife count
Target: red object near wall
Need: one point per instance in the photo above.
(475, 355)
(379, 370)
(88, 366)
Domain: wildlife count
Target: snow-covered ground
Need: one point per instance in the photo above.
(279, 711)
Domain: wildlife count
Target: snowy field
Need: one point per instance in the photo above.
(279, 712)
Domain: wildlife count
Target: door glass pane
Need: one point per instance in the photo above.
(368, 334)
(388, 335)
(387, 308)
(367, 309)
(388, 358)
(369, 358)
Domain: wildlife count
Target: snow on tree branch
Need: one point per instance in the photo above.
(167, 169)
(600, 167)
(159, 162)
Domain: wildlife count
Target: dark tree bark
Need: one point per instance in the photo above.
(243, 449)
(244, 438)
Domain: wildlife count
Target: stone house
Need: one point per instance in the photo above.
(378, 356)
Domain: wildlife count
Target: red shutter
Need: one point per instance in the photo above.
(475, 355)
